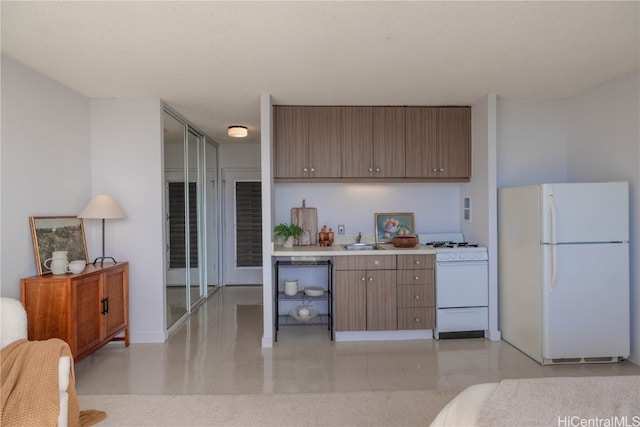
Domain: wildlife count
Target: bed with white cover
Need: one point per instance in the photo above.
(557, 401)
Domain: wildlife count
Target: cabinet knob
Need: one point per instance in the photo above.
(441, 169)
(370, 169)
(435, 169)
(417, 319)
(363, 278)
(371, 279)
(305, 169)
(377, 169)
(313, 169)
(417, 262)
(417, 297)
(417, 277)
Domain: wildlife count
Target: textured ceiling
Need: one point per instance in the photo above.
(212, 60)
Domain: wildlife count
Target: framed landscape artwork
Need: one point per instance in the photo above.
(389, 225)
(57, 233)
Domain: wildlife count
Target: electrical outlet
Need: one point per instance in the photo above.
(341, 229)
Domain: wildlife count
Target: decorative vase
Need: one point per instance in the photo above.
(288, 242)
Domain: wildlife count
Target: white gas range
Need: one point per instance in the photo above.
(462, 285)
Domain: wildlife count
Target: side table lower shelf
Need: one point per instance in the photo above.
(320, 319)
(284, 302)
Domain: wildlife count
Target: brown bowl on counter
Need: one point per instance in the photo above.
(404, 241)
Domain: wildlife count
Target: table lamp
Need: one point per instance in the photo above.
(102, 206)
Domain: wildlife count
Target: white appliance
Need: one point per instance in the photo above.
(564, 271)
(462, 285)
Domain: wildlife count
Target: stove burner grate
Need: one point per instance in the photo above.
(451, 245)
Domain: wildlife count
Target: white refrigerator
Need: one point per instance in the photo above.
(563, 271)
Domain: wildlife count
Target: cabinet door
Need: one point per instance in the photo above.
(350, 301)
(114, 291)
(454, 142)
(388, 142)
(421, 158)
(87, 306)
(324, 142)
(381, 300)
(291, 133)
(356, 141)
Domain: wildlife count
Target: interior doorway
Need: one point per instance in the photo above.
(242, 213)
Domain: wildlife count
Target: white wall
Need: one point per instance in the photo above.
(532, 141)
(435, 206)
(126, 162)
(239, 155)
(604, 145)
(45, 162)
(482, 227)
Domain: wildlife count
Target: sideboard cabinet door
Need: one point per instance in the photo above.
(86, 310)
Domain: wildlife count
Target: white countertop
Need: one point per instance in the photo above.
(338, 250)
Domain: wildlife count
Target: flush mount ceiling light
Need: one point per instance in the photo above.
(237, 131)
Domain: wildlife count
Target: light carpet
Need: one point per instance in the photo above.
(614, 400)
(370, 408)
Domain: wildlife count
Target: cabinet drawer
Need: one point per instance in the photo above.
(366, 262)
(406, 262)
(415, 296)
(416, 318)
(414, 277)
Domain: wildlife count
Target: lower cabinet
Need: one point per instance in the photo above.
(384, 292)
(365, 293)
(86, 310)
(416, 297)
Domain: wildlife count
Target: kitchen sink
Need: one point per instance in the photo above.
(361, 247)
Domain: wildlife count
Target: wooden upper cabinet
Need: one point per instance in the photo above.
(357, 143)
(291, 141)
(388, 142)
(438, 142)
(324, 142)
(357, 138)
(454, 142)
(307, 143)
(373, 142)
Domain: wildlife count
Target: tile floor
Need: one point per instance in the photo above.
(217, 351)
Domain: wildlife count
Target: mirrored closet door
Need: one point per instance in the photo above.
(190, 169)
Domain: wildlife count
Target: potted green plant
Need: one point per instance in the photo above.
(287, 232)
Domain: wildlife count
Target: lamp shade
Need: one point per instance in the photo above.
(102, 206)
(237, 131)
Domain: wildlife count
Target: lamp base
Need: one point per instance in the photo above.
(102, 258)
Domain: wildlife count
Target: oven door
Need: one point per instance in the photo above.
(462, 284)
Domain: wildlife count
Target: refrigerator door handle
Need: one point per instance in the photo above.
(554, 246)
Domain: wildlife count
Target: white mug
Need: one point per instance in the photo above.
(77, 266)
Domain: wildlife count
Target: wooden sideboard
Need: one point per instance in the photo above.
(86, 310)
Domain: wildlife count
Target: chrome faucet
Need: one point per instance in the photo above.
(359, 237)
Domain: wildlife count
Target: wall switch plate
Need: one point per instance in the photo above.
(341, 229)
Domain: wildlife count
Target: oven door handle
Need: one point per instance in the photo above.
(460, 263)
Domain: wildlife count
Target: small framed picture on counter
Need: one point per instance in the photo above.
(389, 225)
